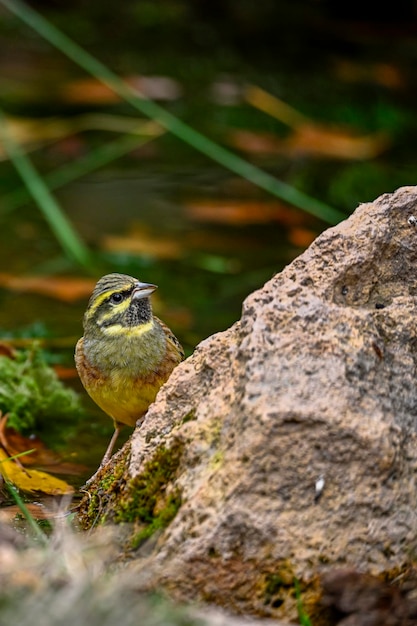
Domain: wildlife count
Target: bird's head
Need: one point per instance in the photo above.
(119, 303)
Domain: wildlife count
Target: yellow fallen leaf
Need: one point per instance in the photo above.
(31, 480)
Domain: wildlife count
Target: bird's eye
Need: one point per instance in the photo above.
(115, 298)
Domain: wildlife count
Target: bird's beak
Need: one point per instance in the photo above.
(143, 290)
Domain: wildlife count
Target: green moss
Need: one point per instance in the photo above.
(33, 396)
(217, 459)
(145, 501)
(273, 585)
(278, 584)
(189, 417)
(161, 520)
(103, 494)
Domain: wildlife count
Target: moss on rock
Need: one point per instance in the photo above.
(146, 500)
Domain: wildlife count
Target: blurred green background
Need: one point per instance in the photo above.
(319, 95)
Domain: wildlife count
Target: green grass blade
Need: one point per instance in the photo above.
(25, 512)
(149, 108)
(17, 456)
(58, 222)
(302, 615)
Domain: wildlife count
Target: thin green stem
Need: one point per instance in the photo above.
(52, 212)
(186, 133)
(89, 163)
(25, 512)
(302, 615)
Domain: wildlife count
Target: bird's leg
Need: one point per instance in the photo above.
(107, 455)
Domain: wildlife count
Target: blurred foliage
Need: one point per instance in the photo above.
(34, 398)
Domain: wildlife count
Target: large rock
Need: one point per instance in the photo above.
(286, 445)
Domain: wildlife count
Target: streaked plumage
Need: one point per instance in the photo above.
(126, 353)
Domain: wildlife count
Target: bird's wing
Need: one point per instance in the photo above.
(171, 339)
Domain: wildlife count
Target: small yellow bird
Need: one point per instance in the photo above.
(126, 353)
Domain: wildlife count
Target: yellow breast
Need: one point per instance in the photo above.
(124, 399)
(122, 396)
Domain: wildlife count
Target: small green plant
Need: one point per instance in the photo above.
(302, 615)
(33, 397)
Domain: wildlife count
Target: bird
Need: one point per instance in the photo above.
(126, 353)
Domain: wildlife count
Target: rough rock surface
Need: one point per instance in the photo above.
(314, 387)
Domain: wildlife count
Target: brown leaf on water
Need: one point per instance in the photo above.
(141, 241)
(37, 510)
(385, 74)
(336, 142)
(93, 91)
(65, 373)
(252, 142)
(301, 237)
(88, 90)
(14, 443)
(31, 480)
(64, 288)
(242, 212)
(314, 141)
(307, 136)
(7, 350)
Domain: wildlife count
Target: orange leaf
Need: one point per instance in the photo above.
(63, 373)
(68, 289)
(148, 245)
(255, 143)
(301, 237)
(244, 212)
(92, 91)
(312, 140)
(7, 350)
(385, 74)
(15, 443)
(335, 142)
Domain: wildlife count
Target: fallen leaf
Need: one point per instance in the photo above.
(252, 142)
(37, 510)
(64, 288)
(385, 74)
(144, 244)
(301, 237)
(65, 373)
(312, 140)
(31, 480)
(242, 212)
(307, 136)
(93, 91)
(340, 143)
(7, 350)
(15, 444)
